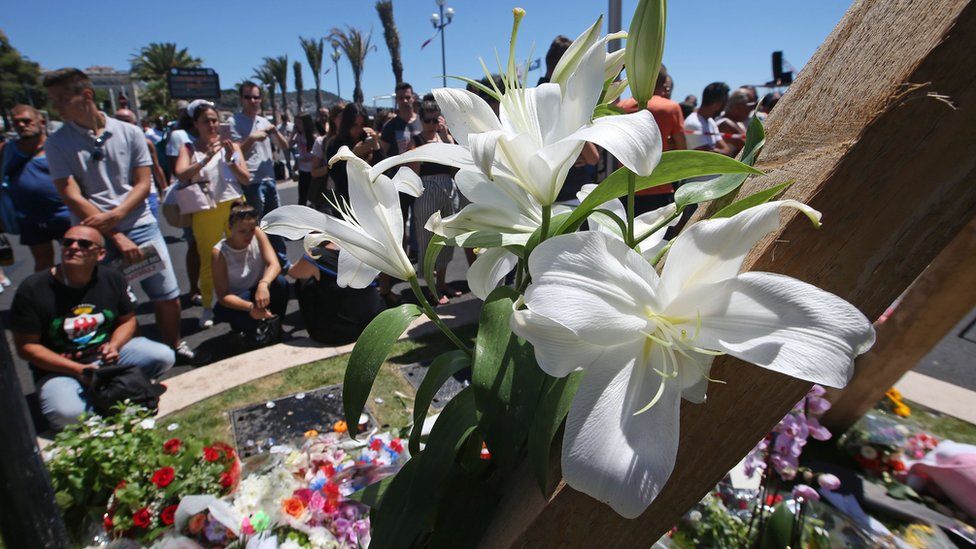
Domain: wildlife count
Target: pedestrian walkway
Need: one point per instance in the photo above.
(938, 395)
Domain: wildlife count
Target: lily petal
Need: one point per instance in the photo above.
(465, 113)
(366, 248)
(571, 58)
(483, 149)
(293, 221)
(558, 351)
(713, 249)
(445, 154)
(634, 139)
(408, 182)
(594, 285)
(608, 452)
(779, 323)
(353, 272)
(489, 269)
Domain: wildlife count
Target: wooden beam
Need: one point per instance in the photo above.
(870, 141)
(934, 303)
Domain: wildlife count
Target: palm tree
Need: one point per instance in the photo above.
(267, 78)
(385, 10)
(279, 68)
(154, 61)
(299, 88)
(314, 50)
(355, 46)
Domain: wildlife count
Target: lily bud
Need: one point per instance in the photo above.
(645, 48)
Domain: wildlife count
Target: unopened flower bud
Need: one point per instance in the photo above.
(645, 48)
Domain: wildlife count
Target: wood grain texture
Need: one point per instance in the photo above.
(935, 302)
(894, 173)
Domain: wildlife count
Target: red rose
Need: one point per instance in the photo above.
(119, 486)
(172, 446)
(210, 454)
(107, 523)
(142, 518)
(226, 480)
(168, 515)
(163, 477)
(376, 445)
(224, 448)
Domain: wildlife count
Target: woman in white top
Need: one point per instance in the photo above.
(215, 163)
(247, 274)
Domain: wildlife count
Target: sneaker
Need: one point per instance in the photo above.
(188, 357)
(206, 319)
(196, 299)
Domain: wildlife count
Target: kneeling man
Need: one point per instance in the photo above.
(71, 319)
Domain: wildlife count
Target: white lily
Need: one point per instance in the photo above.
(645, 341)
(540, 131)
(650, 246)
(370, 232)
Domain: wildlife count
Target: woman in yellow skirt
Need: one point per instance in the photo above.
(216, 164)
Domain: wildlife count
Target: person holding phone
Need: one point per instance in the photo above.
(355, 133)
(254, 133)
(215, 163)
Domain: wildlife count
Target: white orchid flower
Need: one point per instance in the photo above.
(370, 232)
(650, 246)
(540, 131)
(645, 341)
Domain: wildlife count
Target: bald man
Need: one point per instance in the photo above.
(75, 317)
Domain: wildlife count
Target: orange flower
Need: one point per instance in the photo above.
(902, 410)
(340, 427)
(293, 507)
(311, 433)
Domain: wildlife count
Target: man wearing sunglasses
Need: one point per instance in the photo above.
(101, 167)
(72, 318)
(255, 134)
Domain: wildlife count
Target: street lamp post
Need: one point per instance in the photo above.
(335, 60)
(440, 21)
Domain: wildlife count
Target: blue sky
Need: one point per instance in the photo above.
(707, 40)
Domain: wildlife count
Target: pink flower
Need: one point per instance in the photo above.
(828, 482)
(316, 502)
(817, 406)
(807, 493)
(817, 430)
(247, 528)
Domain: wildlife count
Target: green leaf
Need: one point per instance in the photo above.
(488, 239)
(779, 529)
(430, 258)
(556, 400)
(697, 192)
(411, 499)
(752, 200)
(372, 495)
(368, 355)
(464, 513)
(606, 109)
(555, 225)
(674, 166)
(442, 368)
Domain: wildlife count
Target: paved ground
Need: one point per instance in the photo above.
(217, 340)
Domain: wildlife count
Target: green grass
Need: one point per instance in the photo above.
(940, 425)
(209, 419)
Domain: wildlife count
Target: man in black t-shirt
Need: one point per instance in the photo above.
(397, 135)
(71, 319)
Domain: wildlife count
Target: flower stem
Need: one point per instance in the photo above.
(656, 228)
(434, 317)
(544, 228)
(631, 205)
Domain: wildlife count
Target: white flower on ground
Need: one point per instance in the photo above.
(645, 341)
(370, 232)
(540, 131)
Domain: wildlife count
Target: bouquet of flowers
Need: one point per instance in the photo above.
(124, 470)
(878, 443)
(608, 326)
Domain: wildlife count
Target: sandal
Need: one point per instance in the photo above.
(449, 291)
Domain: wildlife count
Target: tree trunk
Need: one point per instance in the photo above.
(868, 137)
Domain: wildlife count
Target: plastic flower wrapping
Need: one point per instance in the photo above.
(299, 498)
(605, 325)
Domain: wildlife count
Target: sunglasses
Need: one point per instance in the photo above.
(99, 153)
(430, 120)
(82, 243)
(244, 214)
(252, 97)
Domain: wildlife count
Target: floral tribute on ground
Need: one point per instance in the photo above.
(607, 325)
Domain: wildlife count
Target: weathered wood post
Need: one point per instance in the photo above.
(30, 517)
(869, 136)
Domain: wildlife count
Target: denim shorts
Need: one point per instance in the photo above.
(161, 286)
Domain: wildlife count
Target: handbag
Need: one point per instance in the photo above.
(114, 384)
(171, 210)
(194, 197)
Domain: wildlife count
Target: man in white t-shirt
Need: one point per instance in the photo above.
(703, 132)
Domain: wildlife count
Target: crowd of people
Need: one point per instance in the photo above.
(101, 185)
